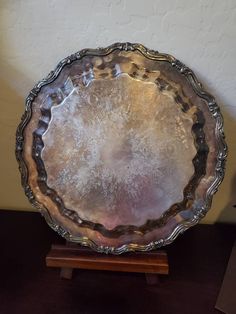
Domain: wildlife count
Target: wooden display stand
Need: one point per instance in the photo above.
(71, 256)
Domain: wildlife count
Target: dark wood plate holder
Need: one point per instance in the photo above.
(72, 256)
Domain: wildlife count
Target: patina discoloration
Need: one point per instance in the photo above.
(119, 143)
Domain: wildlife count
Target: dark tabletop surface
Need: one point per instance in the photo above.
(197, 259)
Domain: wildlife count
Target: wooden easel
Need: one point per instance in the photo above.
(72, 256)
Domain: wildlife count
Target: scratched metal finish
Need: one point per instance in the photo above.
(120, 150)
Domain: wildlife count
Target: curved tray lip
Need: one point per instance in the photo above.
(198, 89)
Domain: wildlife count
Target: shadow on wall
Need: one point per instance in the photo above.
(226, 196)
(11, 107)
(228, 213)
(228, 192)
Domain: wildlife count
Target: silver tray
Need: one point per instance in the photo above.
(121, 148)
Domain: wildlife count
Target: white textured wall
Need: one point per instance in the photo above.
(36, 34)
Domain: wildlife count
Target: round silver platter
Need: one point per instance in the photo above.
(121, 148)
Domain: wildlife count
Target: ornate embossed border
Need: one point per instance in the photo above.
(197, 87)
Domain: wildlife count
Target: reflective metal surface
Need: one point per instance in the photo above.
(120, 148)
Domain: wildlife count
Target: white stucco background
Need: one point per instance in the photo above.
(35, 35)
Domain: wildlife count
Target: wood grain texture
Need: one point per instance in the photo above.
(76, 257)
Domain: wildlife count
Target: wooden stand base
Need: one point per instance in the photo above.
(71, 256)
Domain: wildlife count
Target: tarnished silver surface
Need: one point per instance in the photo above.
(120, 148)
